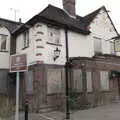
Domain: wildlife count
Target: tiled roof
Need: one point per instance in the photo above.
(57, 16)
(9, 24)
(60, 16)
(89, 18)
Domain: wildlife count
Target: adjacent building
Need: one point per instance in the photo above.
(6, 86)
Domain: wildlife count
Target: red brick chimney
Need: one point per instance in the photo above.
(69, 6)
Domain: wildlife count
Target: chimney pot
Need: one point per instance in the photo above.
(69, 6)
(20, 20)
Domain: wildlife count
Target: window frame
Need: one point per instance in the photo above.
(80, 80)
(29, 82)
(56, 35)
(105, 87)
(90, 85)
(96, 39)
(26, 39)
(56, 83)
(76, 80)
(1, 42)
(112, 47)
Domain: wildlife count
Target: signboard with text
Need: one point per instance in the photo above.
(18, 63)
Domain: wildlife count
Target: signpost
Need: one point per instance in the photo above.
(18, 63)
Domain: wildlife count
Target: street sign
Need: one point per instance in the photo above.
(18, 63)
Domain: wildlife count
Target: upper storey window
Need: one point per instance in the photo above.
(53, 35)
(3, 41)
(97, 45)
(112, 47)
(26, 39)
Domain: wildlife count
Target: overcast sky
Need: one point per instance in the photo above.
(25, 9)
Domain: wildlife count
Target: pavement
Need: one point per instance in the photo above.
(108, 112)
(31, 116)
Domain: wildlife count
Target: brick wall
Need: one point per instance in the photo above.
(40, 97)
(95, 65)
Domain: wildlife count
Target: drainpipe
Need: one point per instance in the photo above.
(67, 73)
(84, 80)
(114, 47)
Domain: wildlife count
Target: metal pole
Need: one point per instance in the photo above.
(17, 97)
(15, 14)
(67, 94)
(26, 109)
(67, 80)
(84, 80)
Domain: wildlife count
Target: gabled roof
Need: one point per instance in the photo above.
(56, 16)
(9, 24)
(90, 17)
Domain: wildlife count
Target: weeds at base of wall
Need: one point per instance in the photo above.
(7, 107)
(99, 98)
(76, 102)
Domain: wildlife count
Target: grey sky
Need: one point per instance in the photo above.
(28, 8)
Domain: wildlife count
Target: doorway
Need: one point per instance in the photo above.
(115, 83)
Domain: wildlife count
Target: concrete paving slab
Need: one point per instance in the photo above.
(108, 112)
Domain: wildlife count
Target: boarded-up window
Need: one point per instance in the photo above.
(104, 79)
(29, 82)
(97, 45)
(77, 78)
(54, 77)
(53, 35)
(89, 82)
(3, 81)
(112, 47)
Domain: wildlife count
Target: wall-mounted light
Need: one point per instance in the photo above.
(56, 53)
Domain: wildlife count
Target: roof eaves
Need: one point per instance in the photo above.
(116, 37)
(14, 22)
(111, 21)
(46, 19)
(63, 25)
(23, 26)
(90, 17)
